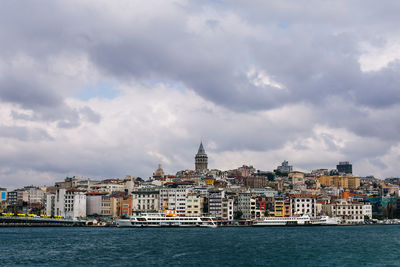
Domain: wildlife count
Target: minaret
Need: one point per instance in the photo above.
(201, 159)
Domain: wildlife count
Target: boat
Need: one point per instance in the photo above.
(163, 220)
(325, 220)
(303, 220)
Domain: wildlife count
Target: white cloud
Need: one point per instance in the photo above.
(376, 57)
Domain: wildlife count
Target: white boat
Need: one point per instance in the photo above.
(297, 220)
(325, 220)
(163, 220)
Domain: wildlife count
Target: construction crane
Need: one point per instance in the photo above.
(168, 212)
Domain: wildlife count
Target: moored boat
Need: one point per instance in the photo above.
(162, 220)
(297, 221)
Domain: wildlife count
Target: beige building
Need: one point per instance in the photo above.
(194, 205)
(227, 209)
(348, 182)
(349, 212)
(297, 177)
(115, 203)
(106, 206)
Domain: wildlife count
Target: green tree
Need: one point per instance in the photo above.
(238, 215)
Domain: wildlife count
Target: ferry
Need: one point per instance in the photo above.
(163, 220)
(304, 220)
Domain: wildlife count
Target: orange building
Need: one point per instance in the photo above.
(347, 195)
(125, 206)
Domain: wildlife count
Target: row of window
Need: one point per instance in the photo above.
(303, 205)
(170, 191)
(148, 201)
(348, 207)
(144, 196)
(304, 200)
(149, 207)
(178, 199)
(352, 212)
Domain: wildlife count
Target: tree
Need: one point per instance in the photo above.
(271, 177)
(238, 215)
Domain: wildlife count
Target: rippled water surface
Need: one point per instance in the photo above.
(297, 246)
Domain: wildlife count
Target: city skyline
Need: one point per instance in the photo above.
(105, 89)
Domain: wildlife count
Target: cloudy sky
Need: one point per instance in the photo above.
(106, 89)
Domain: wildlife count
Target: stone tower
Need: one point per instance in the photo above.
(201, 159)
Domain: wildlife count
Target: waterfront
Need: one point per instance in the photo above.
(311, 246)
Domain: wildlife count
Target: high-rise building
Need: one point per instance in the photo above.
(201, 159)
(285, 167)
(344, 167)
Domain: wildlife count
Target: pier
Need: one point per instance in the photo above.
(38, 222)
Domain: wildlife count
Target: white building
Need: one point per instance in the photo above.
(215, 198)
(367, 210)
(108, 187)
(49, 204)
(227, 209)
(175, 199)
(94, 202)
(70, 203)
(303, 204)
(35, 195)
(145, 200)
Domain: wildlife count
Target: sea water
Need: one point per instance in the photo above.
(225, 246)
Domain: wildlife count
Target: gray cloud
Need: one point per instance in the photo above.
(311, 48)
(24, 133)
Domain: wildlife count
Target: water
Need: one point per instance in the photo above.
(277, 246)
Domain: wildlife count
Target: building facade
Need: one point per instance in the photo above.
(244, 202)
(215, 198)
(285, 167)
(344, 167)
(146, 200)
(70, 203)
(3, 194)
(174, 199)
(194, 205)
(349, 212)
(49, 204)
(302, 204)
(346, 182)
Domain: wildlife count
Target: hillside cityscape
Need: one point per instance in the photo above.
(242, 194)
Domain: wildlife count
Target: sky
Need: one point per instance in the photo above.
(103, 89)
